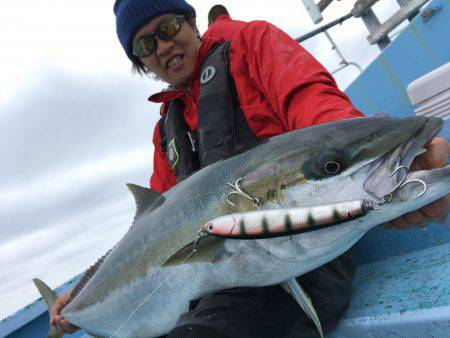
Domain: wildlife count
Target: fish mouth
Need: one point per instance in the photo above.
(391, 169)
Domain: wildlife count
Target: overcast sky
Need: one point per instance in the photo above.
(75, 126)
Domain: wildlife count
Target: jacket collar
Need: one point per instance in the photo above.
(223, 17)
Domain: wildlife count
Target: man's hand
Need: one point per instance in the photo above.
(438, 151)
(57, 319)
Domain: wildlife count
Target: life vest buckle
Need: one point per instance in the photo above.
(193, 141)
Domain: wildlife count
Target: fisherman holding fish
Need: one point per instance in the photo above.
(223, 98)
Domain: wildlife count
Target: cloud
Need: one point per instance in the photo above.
(64, 119)
(69, 142)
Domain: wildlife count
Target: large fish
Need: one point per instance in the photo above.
(146, 281)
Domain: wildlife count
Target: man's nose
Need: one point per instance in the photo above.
(163, 47)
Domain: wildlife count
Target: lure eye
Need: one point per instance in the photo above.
(332, 167)
(210, 227)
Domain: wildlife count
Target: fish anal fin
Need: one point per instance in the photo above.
(208, 250)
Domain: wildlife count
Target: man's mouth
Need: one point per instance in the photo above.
(174, 60)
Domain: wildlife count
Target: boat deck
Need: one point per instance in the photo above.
(403, 296)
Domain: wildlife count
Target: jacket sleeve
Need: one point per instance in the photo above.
(297, 87)
(162, 178)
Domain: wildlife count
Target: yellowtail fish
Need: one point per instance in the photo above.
(143, 284)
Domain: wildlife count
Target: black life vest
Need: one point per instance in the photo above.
(222, 129)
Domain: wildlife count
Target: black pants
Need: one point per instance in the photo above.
(270, 311)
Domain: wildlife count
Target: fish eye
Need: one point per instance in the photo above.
(328, 163)
(332, 163)
(210, 227)
(332, 167)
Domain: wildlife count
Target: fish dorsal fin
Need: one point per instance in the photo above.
(145, 198)
(209, 250)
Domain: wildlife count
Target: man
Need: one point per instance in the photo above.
(273, 86)
(220, 24)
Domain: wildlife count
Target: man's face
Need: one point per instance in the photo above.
(174, 59)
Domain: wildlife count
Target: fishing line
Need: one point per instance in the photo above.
(148, 297)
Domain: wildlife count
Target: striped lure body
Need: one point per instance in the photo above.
(281, 222)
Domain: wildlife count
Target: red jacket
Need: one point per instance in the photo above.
(280, 86)
(224, 28)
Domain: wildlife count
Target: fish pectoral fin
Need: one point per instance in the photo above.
(49, 297)
(209, 250)
(301, 297)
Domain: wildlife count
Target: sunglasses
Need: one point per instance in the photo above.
(166, 30)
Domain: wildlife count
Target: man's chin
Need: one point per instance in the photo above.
(180, 80)
(183, 82)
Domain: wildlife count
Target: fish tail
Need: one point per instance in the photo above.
(54, 332)
(302, 298)
(49, 297)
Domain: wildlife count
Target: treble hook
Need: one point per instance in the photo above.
(404, 182)
(238, 191)
(416, 180)
(401, 181)
(388, 197)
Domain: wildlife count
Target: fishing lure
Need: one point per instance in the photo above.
(280, 222)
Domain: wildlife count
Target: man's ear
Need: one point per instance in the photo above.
(192, 20)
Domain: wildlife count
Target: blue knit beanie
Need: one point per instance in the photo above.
(131, 15)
